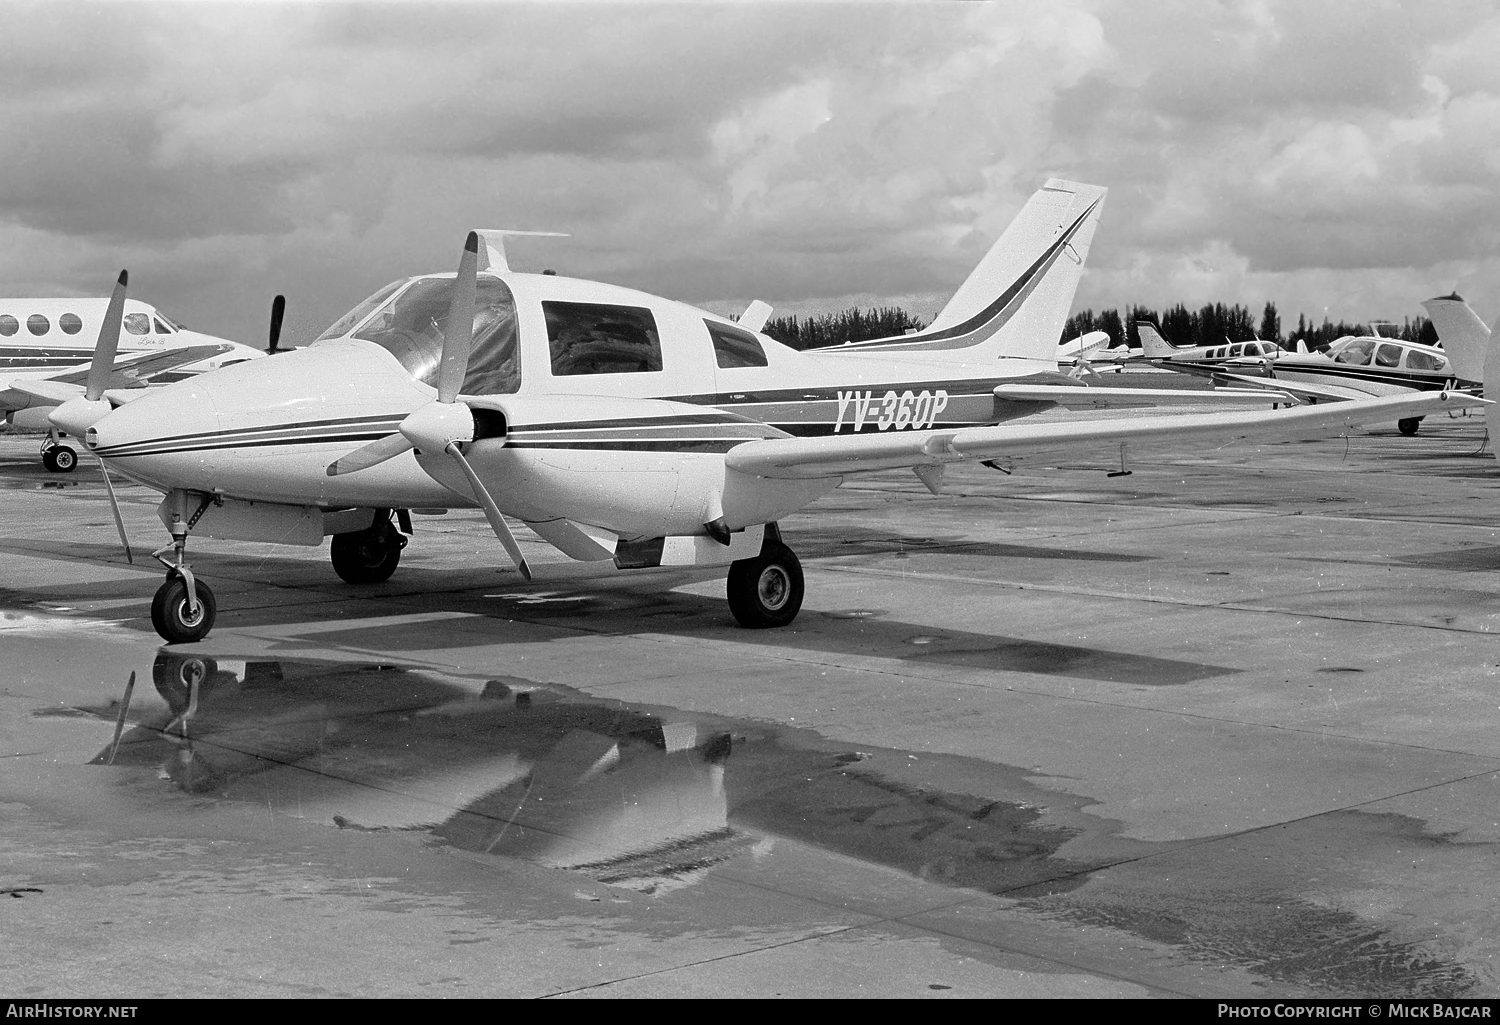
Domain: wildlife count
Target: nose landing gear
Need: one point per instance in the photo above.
(183, 609)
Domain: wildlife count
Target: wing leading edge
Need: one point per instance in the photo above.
(794, 458)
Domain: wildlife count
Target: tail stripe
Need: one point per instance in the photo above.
(1002, 306)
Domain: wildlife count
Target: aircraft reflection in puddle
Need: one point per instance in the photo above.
(538, 772)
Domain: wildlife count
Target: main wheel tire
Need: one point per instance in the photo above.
(63, 459)
(174, 620)
(1409, 426)
(366, 556)
(767, 590)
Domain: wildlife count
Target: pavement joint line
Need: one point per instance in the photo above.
(1228, 605)
(694, 964)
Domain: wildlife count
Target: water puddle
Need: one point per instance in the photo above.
(653, 800)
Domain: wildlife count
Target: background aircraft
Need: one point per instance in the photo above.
(623, 427)
(1354, 367)
(46, 346)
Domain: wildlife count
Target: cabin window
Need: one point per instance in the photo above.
(137, 324)
(161, 328)
(411, 326)
(594, 338)
(735, 347)
(1388, 356)
(1252, 349)
(1356, 354)
(70, 323)
(1236, 350)
(8, 325)
(1416, 359)
(38, 324)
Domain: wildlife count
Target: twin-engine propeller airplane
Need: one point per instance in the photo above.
(627, 428)
(1354, 367)
(46, 344)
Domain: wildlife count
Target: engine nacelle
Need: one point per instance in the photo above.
(636, 467)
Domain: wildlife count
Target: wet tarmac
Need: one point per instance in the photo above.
(1224, 727)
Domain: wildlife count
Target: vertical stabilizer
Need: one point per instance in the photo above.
(1153, 345)
(1465, 338)
(1473, 349)
(1016, 302)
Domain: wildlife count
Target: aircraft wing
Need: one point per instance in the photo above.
(138, 371)
(1093, 397)
(925, 451)
(1321, 392)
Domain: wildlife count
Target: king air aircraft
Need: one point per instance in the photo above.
(46, 346)
(625, 428)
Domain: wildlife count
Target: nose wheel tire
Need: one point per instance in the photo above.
(172, 617)
(60, 459)
(1409, 425)
(767, 590)
(367, 556)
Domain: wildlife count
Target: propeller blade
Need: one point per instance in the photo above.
(109, 341)
(278, 310)
(459, 334)
(114, 506)
(491, 511)
(369, 455)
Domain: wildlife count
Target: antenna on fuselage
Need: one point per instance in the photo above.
(493, 255)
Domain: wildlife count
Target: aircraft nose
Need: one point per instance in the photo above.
(166, 432)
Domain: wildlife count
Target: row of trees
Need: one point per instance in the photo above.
(1208, 325)
(845, 326)
(1215, 322)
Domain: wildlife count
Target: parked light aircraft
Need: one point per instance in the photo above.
(627, 428)
(46, 346)
(1354, 367)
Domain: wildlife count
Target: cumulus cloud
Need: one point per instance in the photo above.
(1327, 154)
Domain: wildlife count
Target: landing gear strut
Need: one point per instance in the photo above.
(368, 556)
(767, 590)
(56, 456)
(183, 609)
(1409, 425)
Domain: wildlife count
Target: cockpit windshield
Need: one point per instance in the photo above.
(347, 322)
(409, 323)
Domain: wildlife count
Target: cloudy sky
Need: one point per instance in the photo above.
(1338, 157)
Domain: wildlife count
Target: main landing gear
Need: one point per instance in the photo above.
(767, 590)
(57, 457)
(370, 556)
(183, 609)
(1409, 425)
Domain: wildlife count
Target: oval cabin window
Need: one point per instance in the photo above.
(38, 324)
(8, 325)
(70, 323)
